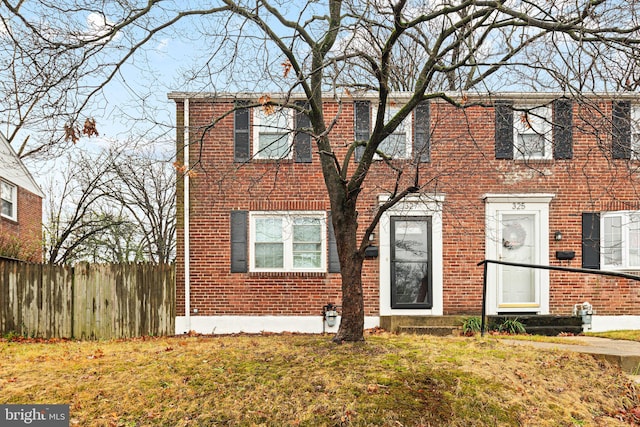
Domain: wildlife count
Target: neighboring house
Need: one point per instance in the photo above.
(20, 208)
(529, 178)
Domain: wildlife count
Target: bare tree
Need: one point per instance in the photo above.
(73, 218)
(114, 205)
(324, 48)
(145, 188)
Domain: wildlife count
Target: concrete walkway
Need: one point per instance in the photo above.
(625, 354)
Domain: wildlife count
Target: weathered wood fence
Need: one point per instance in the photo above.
(88, 301)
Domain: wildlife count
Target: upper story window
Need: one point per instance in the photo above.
(8, 199)
(272, 133)
(288, 241)
(620, 244)
(532, 133)
(635, 131)
(398, 145)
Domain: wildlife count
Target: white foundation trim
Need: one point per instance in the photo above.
(614, 323)
(210, 325)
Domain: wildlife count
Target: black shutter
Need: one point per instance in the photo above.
(302, 139)
(421, 129)
(241, 145)
(562, 129)
(591, 240)
(334, 260)
(362, 119)
(621, 130)
(239, 241)
(504, 130)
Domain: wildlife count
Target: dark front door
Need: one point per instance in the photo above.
(411, 276)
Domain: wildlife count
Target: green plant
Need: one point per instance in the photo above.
(512, 326)
(471, 325)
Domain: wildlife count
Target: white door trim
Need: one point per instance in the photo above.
(412, 205)
(495, 205)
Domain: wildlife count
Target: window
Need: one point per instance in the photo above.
(620, 240)
(273, 134)
(532, 136)
(635, 131)
(288, 241)
(8, 194)
(398, 144)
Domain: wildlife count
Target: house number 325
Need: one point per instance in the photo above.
(517, 206)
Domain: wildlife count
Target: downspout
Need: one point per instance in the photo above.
(187, 261)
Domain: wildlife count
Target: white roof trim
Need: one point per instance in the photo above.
(13, 170)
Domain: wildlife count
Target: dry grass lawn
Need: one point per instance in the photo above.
(302, 380)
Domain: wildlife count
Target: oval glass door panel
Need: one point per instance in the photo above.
(518, 284)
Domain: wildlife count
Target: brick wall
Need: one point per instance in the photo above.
(27, 231)
(463, 167)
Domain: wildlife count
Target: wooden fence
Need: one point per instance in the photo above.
(101, 301)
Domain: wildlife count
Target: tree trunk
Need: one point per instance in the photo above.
(352, 323)
(345, 225)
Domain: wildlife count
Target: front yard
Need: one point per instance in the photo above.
(304, 380)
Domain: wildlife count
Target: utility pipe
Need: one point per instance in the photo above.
(186, 207)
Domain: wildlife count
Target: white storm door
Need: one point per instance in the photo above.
(517, 231)
(518, 287)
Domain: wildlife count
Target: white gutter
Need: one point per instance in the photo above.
(187, 266)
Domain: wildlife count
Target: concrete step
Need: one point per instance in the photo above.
(394, 323)
(441, 331)
(549, 325)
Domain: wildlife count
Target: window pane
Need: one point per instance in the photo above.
(411, 282)
(612, 241)
(268, 229)
(634, 241)
(411, 241)
(306, 229)
(273, 134)
(273, 145)
(269, 246)
(307, 244)
(395, 145)
(269, 255)
(306, 260)
(7, 199)
(531, 144)
(7, 208)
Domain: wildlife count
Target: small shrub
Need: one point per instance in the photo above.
(471, 326)
(512, 326)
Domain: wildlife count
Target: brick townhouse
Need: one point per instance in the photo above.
(521, 177)
(20, 208)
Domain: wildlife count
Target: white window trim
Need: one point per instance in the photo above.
(288, 240)
(258, 127)
(540, 119)
(408, 126)
(635, 131)
(14, 200)
(625, 215)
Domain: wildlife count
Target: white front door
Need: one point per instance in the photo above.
(517, 231)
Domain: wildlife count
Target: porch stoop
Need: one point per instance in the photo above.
(423, 325)
(540, 324)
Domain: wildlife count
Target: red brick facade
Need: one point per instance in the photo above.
(25, 234)
(463, 168)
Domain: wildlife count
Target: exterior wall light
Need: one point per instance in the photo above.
(558, 236)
